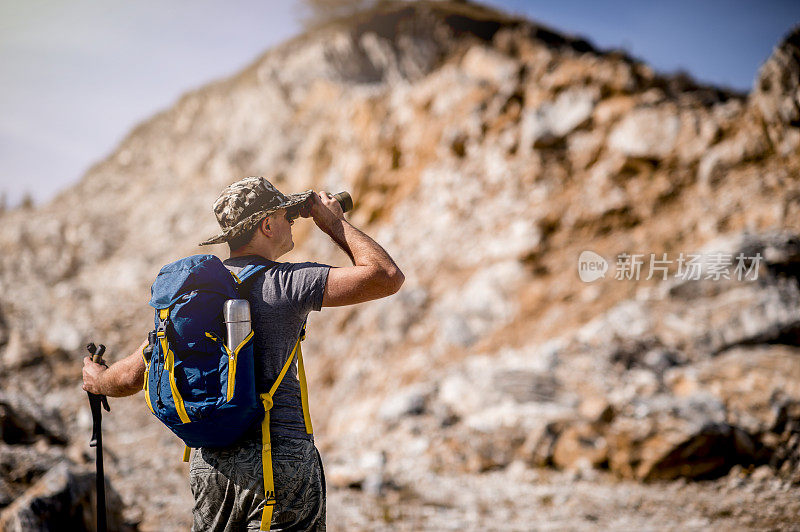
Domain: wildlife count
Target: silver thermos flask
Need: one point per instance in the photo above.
(237, 321)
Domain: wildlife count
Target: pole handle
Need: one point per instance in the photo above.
(97, 358)
(96, 352)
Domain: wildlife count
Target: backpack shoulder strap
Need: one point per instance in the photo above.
(287, 364)
(249, 271)
(266, 446)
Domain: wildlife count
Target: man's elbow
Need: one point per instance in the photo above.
(132, 389)
(132, 383)
(394, 280)
(382, 282)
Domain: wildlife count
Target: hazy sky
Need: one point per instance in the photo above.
(76, 76)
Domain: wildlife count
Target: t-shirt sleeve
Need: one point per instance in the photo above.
(304, 285)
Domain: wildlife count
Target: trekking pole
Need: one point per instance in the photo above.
(95, 401)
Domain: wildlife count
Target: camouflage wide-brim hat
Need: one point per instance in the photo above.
(245, 203)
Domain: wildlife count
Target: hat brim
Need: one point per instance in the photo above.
(249, 222)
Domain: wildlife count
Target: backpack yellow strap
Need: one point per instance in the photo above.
(187, 452)
(169, 365)
(146, 378)
(266, 462)
(301, 373)
(266, 445)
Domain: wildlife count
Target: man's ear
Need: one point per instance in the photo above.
(264, 226)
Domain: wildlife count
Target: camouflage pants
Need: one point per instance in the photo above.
(228, 486)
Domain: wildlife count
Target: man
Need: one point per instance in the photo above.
(256, 219)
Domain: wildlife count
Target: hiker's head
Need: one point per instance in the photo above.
(252, 207)
(271, 236)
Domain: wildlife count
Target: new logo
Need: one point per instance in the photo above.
(591, 266)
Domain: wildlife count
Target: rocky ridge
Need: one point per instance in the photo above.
(485, 153)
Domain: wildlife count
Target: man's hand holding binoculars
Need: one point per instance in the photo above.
(324, 209)
(327, 211)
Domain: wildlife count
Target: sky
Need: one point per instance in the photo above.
(76, 77)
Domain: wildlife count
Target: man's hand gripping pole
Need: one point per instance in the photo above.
(95, 401)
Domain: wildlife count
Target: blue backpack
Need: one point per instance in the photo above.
(193, 383)
(201, 390)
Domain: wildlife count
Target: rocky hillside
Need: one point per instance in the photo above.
(496, 389)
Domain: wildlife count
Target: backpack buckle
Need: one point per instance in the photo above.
(163, 318)
(147, 352)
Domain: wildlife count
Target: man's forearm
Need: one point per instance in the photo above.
(362, 249)
(117, 381)
(337, 234)
(124, 377)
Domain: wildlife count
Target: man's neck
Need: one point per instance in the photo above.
(244, 252)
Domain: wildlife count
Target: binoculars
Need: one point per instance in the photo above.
(344, 199)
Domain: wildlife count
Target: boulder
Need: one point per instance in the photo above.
(776, 94)
(63, 499)
(755, 299)
(553, 120)
(483, 63)
(708, 453)
(481, 305)
(665, 430)
(748, 144)
(368, 473)
(23, 420)
(21, 465)
(580, 445)
(408, 402)
(699, 130)
(648, 132)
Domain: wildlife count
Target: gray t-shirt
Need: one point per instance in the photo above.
(281, 298)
